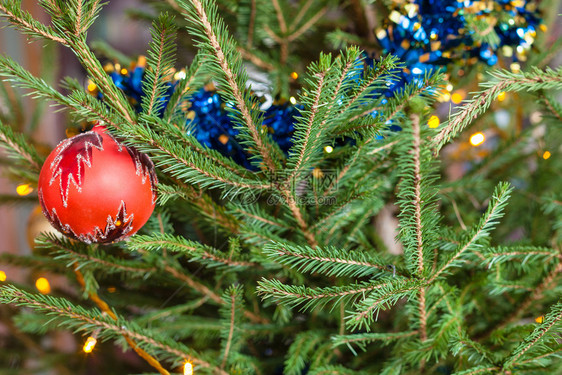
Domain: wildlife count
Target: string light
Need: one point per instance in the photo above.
(3, 276)
(294, 75)
(328, 149)
(92, 86)
(515, 67)
(187, 368)
(180, 75)
(24, 189)
(223, 138)
(293, 100)
(539, 319)
(433, 122)
(456, 98)
(501, 96)
(477, 139)
(89, 344)
(546, 155)
(445, 97)
(42, 284)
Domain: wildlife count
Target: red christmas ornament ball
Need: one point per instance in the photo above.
(94, 189)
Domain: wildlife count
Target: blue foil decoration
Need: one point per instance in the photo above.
(207, 116)
(429, 35)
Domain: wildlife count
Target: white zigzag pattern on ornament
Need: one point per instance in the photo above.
(80, 157)
(97, 236)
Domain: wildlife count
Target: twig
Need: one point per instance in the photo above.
(105, 308)
(231, 330)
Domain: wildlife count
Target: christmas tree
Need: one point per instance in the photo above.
(289, 187)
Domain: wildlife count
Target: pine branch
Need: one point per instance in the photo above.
(335, 370)
(194, 168)
(503, 80)
(307, 25)
(201, 288)
(231, 311)
(522, 254)
(195, 250)
(79, 319)
(193, 77)
(161, 58)
(22, 19)
(114, 97)
(482, 230)
(366, 311)
(363, 339)
(536, 294)
(19, 148)
(310, 298)
(537, 337)
(76, 253)
(92, 294)
(329, 261)
(301, 350)
(226, 65)
(479, 370)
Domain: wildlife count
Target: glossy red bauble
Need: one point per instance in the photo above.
(94, 189)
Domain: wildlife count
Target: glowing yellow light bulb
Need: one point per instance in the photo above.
(24, 189)
(328, 149)
(188, 368)
(433, 122)
(3, 276)
(180, 75)
(515, 67)
(501, 96)
(539, 319)
(456, 98)
(294, 75)
(141, 61)
(477, 139)
(91, 86)
(223, 138)
(42, 284)
(89, 344)
(124, 71)
(293, 100)
(449, 87)
(546, 155)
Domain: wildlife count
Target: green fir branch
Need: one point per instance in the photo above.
(328, 260)
(19, 149)
(417, 199)
(362, 340)
(194, 250)
(311, 298)
(231, 329)
(81, 320)
(519, 254)
(365, 312)
(301, 351)
(225, 63)
(161, 59)
(503, 81)
(482, 230)
(12, 10)
(540, 338)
